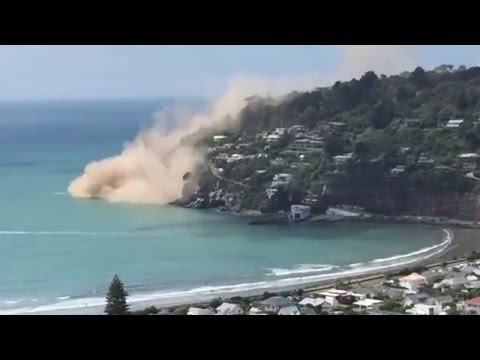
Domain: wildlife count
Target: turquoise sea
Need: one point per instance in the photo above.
(56, 251)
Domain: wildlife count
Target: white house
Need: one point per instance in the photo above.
(289, 310)
(273, 138)
(311, 301)
(331, 296)
(424, 309)
(275, 303)
(357, 296)
(299, 212)
(229, 309)
(453, 124)
(219, 138)
(366, 304)
(235, 158)
(467, 156)
(283, 177)
(280, 131)
(199, 311)
(413, 281)
(341, 159)
(256, 311)
(456, 282)
(397, 170)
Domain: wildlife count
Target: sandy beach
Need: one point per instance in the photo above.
(463, 243)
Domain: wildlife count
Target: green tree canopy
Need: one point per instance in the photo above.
(116, 298)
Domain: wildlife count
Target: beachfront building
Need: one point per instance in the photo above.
(256, 311)
(289, 310)
(357, 296)
(455, 282)
(273, 304)
(423, 309)
(473, 285)
(366, 304)
(299, 212)
(336, 297)
(433, 276)
(414, 299)
(472, 306)
(413, 281)
(199, 311)
(311, 301)
(229, 309)
(440, 301)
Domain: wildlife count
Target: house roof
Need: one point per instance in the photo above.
(227, 307)
(474, 284)
(444, 299)
(455, 280)
(414, 277)
(468, 269)
(199, 311)
(417, 298)
(308, 311)
(311, 301)
(393, 292)
(289, 310)
(439, 300)
(474, 302)
(367, 302)
(278, 301)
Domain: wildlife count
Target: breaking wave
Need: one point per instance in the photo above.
(301, 269)
(14, 232)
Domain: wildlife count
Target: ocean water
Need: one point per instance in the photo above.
(57, 251)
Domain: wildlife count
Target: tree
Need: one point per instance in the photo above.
(116, 298)
(418, 77)
(462, 102)
(383, 114)
(361, 148)
(334, 146)
(214, 303)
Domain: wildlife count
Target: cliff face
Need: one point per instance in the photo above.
(414, 202)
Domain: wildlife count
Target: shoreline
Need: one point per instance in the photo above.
(462, 243)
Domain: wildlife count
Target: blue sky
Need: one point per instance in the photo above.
(39, 72)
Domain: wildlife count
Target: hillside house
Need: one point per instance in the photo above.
(453, 124)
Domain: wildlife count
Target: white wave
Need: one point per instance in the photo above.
(356, 264)
(447, 241)
(12, 302)
(60, 193)
(301, 269)
(63, 297)
(207, 292)
(21, 232)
